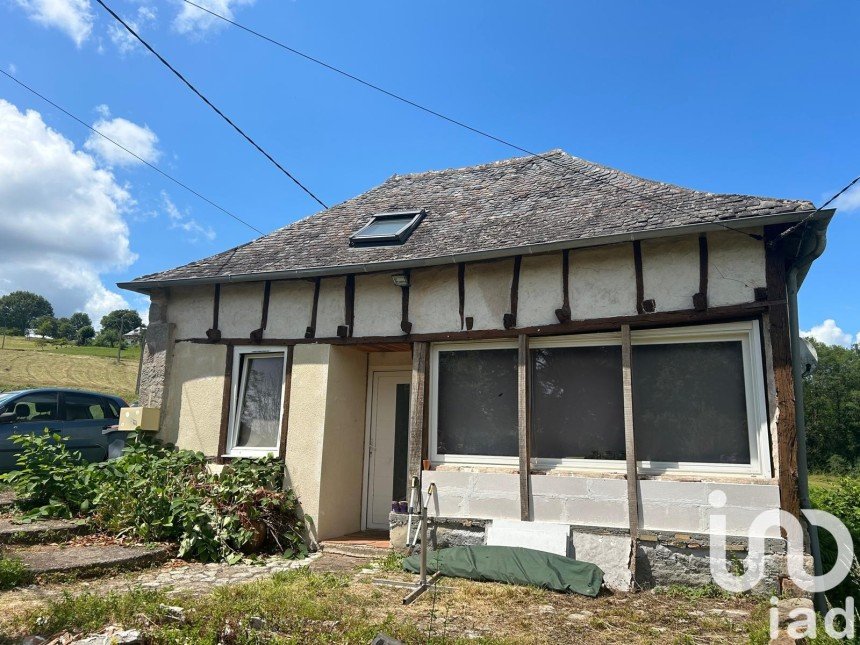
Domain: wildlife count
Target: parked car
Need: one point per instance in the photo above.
(85, 418)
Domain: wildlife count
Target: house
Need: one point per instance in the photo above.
(134, 335)
(547, 339)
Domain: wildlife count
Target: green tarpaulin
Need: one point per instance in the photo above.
(513, 565)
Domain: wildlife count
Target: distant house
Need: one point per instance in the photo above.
(32, 334)
(547, 339)
(134, 335)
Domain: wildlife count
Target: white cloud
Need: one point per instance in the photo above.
(61, 219)
(849, 200)
(12, 69)
(120, 36)
(180, 220)
(830, 333)
(138, 138)
(74, 17)
(194, 21)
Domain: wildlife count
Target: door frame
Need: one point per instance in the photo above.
(373, 372)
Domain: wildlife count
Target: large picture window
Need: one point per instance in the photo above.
(475, 410)
(698, 401)
(257, 402)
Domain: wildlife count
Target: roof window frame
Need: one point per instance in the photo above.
(359, 238)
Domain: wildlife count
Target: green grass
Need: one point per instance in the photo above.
(23, 364)
(393, 561)
(13, 573)
(823, 481)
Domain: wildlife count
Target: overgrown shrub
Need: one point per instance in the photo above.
(155, 492)
(13, 573)
(843, 501)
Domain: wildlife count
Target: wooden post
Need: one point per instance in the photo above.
(405, 325)
(640, 282)
(418, 408)
(257, 334)
(563, 314)
(311, 331)
(509, 320)
(524, 426)
(285, 410)
(214, 334)
(461, 291)
(780, 339)
(630, 445)
(226, 394)
(700, 299)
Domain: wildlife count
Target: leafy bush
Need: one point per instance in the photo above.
(155, 492)
(13, 573)
(52, 481)
(843, 501)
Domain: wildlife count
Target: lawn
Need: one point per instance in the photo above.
(24, 364)
(305, 606)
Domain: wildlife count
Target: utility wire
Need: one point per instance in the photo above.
(210, 104)
(817, 210)
(122, 147)
(440, 115)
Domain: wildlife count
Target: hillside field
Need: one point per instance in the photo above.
(24, 364)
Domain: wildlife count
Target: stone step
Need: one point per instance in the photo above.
(87, 560)
(362, 551)
(7, 498)
(40, 532)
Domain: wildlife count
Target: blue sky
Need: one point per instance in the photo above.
(731, 97)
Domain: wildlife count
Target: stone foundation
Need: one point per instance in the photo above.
(662, 558)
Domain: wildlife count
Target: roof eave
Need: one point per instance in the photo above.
(143, 286)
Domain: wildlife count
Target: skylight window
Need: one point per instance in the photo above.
(385, 229)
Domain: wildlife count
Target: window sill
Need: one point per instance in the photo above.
(251, 454)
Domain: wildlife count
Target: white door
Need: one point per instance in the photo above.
(388, 432)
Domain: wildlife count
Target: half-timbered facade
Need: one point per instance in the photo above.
(546, 339)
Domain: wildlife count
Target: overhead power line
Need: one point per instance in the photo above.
(789, 230)
(442, 116)
(122, 147)
(210, 104)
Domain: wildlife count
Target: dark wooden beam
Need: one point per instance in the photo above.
(509, 320)
(563, 314)
(780, 338)
(311, 331)
(461, 292)
(285, 410)
(746, 311)
(630, 445)
(417, 447)
(226, 395)
(640, 284)
(524, 426)
(470, 322)
(405, 325)
(257, 334)
(700, 299)
(214, 334)
(349, 304)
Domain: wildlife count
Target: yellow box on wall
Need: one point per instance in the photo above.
(139, 417)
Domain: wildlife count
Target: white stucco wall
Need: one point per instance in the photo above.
(736, 266)
(241, 309)
(190, 309)
(670, 272)
(599, 502)
(331, 309)
(377, 306)
(602, 282)
(434, 303)
(602, 285)
(290, 305)
(192, 415)
(540, 290)
(488, 292)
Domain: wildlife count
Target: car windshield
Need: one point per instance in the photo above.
(5, 396)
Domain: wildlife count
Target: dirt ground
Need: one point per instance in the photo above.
(464, 610)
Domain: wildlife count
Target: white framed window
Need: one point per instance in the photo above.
(256, 401)
(698, 401)
(473, 403)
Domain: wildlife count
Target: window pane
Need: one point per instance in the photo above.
(261, 402)
(34, 407)
(400, 478)
(689, 403)
(577, 403)
(82, 407)
(387, 226)
(477, 412)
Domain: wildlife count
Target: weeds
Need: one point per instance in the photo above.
(13, 573)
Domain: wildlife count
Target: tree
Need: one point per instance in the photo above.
(46, 326)
(107, 338)
(832, 408)
(85, 334)
(121, 321)
(79, 320)
(20, 308)
(65, 329)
